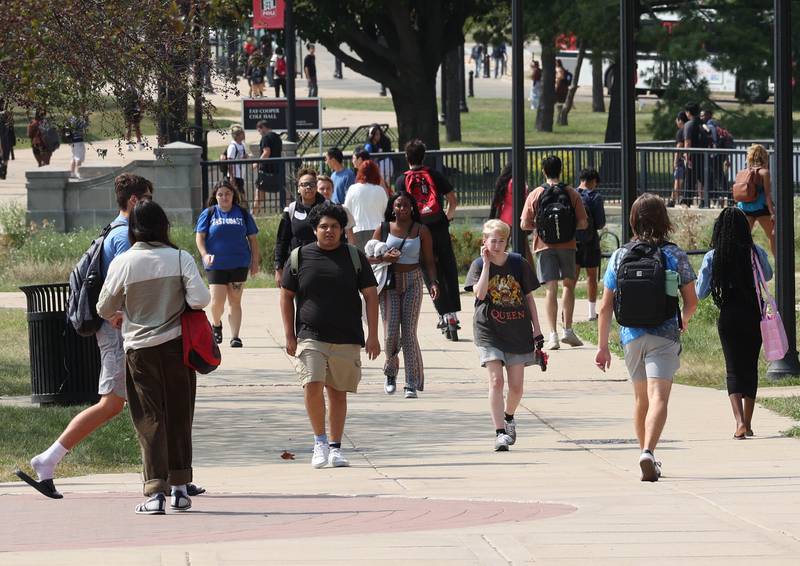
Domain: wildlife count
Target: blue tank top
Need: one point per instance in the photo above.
(409, 255)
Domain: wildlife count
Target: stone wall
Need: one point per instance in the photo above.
(89, 202)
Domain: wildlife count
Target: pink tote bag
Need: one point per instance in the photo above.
(773, 333)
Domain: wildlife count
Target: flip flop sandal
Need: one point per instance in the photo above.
(45, 487)
(192, 490)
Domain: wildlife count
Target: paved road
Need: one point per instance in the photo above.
(425, 486)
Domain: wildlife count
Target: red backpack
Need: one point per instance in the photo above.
(280, 67)
(200, 350)
(420, 185)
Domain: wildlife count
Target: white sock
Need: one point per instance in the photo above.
(44, 464)
(177, 488)
(592, 310)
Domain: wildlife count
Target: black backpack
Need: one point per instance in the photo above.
(555, 218)
(85, 283)
(640, 299)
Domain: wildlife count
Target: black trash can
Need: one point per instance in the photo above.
(65, 367)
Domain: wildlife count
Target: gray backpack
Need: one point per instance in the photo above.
(85, 283)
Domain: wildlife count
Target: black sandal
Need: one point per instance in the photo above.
(45, 487)
(192, 490)
(217, 332)
(236, 342)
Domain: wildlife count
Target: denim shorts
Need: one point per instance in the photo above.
(490, 354)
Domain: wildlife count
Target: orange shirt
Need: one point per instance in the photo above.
(528, 219)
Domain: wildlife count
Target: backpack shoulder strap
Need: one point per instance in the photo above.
(211, 209)
(354, 258)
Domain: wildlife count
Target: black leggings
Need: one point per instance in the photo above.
(740, 334)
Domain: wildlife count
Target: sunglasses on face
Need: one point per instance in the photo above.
(307, 185)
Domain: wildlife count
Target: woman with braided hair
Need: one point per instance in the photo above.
(727, 274)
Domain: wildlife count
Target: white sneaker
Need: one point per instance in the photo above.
(337, 459)
(552, 343)
(651, 470)
(511, 431)
(571, 338)
(320, 457)
(141, 146)
(390, 385)
(410, 393)
(502, 442)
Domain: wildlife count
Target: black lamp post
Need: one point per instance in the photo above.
(518, 172)
(628, 14)
(783, 189)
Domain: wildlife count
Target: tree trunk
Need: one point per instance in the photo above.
(544, 116)
(611, 163)
(562, 117)
(598, 102)
(453, 96)
(415, 107)
(613, 126)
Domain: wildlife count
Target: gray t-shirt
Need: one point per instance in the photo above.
(502, 319)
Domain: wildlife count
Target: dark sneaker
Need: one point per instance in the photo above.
(651, 470)
(217, 331)
(236, 343)
(410, 393)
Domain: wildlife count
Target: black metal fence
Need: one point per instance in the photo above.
(473, 172)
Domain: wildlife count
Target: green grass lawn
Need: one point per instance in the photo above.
(488, 123)
(14, 361)
(788, 406)
(30, 430)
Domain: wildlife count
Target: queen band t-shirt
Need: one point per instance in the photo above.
(502, 319)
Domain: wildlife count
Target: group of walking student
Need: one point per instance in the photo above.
(335, 280)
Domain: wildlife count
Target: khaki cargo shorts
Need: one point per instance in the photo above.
(335, 365)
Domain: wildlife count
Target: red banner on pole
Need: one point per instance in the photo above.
(268, 14)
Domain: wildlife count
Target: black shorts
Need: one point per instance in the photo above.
(757, 213)
(225, 276)
(587, 256)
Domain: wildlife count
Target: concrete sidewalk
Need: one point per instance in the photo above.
(425, 485)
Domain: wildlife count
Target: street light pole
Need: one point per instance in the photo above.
(518, 172)
(289, 50)
(782, 183)
(627, 63)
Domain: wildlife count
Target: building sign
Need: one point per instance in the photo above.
(273, 110)
(268, 14)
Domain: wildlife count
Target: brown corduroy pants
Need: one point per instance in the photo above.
(161, 394)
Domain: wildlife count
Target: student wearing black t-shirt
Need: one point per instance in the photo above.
(694, 136)
(310, 70)
(679, 164)
(268, 173)
(432, 190)
(506, 324)
(321, 293)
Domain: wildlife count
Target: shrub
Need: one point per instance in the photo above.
(13, 228)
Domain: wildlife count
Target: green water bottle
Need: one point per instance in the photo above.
(671, 280)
